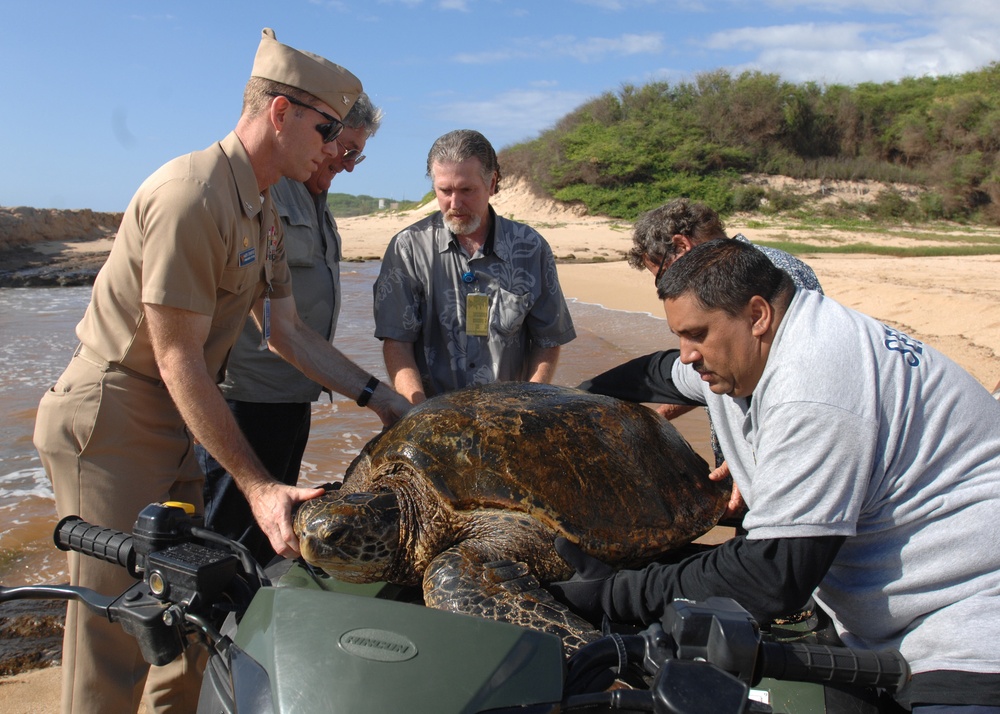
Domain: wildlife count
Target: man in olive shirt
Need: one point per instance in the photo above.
(200, 245)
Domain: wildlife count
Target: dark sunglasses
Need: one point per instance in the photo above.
(329, 130)
(354, 155)
(663, 266)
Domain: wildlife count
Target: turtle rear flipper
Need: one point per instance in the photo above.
(503, 590)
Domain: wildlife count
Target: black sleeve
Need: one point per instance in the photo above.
(769, 578)
(643, 379)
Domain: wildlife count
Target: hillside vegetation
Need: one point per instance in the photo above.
(625, 152)
(344, 205)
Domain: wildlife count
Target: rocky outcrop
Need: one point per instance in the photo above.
(42, 247)
(24, 226)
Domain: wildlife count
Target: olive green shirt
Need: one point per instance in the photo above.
(312, 249)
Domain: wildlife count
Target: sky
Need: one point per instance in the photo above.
(99, 94)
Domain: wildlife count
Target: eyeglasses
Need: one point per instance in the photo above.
(664, 264)
(354, 155)
(329, 130)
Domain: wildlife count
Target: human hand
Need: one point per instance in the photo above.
(389, 404)
(585, 591)
(672, 411)
(736, 504)
(272, 505)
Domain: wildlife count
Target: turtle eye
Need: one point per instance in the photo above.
(335, 534)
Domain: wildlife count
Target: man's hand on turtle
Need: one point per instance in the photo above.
(590, 585)
(272, 505)
(736, 504)
(672, 411)
(389, 404)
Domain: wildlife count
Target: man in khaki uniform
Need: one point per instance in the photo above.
(270, 399)
(199, 247)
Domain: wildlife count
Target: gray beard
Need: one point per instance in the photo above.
(464, 228)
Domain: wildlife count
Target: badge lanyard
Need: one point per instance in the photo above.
(477, 306)
(272, 251)
(265, 333)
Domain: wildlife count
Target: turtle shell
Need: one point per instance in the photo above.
(614, 476)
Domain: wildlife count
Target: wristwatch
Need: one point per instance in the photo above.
(368, 391)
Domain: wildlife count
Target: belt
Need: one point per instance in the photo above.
(88, 355)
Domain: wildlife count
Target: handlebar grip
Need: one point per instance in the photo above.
(811, 663)
(74, 533)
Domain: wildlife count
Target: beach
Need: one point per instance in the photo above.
(950, 303)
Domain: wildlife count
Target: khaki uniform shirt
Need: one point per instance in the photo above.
(198, 235)
(312, 249)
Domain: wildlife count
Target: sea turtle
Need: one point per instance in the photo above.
(467, 492)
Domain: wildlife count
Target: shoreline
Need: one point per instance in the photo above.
(950, 303)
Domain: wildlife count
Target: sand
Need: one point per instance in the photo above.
(950, 303)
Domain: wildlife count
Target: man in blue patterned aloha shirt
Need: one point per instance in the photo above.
(465, 296)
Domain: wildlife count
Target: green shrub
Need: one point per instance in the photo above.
(624, 152)
(932, 206)
(746, 198)
(889, 205)
(776, 201)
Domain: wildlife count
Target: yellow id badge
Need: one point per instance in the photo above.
(477, 314)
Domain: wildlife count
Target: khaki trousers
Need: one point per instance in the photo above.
(111, 444)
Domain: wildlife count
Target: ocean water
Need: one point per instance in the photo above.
(37, 341)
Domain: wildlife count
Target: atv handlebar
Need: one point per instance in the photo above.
(74, 533)
(705, 656)
(189, 577)
(803, 662)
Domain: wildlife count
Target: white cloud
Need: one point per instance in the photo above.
(804, 36)
(514, 115)
(605, 4)
(332, 4)
(491, 57)
(619, 5)
(901, 8)
(588, 49)
(844, 6)
(596, 48)
(904, 45)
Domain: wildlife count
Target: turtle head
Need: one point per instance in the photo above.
(352, 536)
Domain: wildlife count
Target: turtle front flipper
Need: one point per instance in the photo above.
(505, 590)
